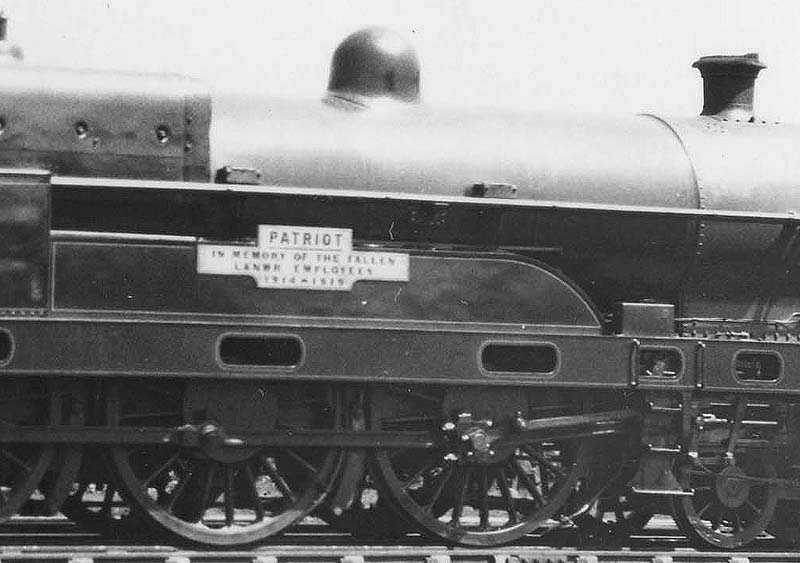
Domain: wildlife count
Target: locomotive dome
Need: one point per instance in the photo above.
(375, 62)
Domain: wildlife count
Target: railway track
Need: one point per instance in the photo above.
(57, 540)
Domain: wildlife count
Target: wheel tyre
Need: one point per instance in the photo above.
(202, 498)
(709, 519)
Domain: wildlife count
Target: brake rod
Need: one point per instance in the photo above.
(526, 432)
(197, 435)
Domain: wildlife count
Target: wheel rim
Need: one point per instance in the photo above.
(732, 504)
(211, 496)
(22, 466)
(482, 501)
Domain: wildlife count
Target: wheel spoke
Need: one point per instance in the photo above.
(227, 496)
(253, 492)
(526, 480)
(461, 498)
(506, 492)
(15, 460)
(108, 500)
(716, 520)
(733, 503)
(452, 495)
(484, 499)
(278, 480)
(440, 484)
(210, 470)
(705, 508)
(161, 468)
(303, 461)
(229, 506)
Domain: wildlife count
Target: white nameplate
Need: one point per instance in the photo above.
(287, 257)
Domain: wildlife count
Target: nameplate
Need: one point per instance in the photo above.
(317, 258)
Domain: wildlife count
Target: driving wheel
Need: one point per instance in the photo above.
(210, 492)
(470, 489)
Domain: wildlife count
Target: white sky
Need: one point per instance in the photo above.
(618, 57)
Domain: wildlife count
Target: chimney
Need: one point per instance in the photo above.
(728, 84)
(8, 51)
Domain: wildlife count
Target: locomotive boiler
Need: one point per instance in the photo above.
(493, 322)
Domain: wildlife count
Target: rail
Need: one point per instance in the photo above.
(393, 554)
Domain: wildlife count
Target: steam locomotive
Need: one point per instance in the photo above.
(365, 309)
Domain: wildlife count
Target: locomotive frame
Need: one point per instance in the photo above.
(670, 387)
(490, 347)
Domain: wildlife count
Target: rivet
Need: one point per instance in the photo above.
(81, 129)
(162, 134)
